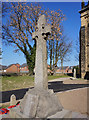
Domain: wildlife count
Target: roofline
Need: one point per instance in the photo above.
(11, 65)
(24, 66)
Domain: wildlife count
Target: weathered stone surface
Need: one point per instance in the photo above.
(38, 103)
(29, 104)
(84, 42)
(14, 113)
(13, 100)
(78, 115)
(68, 114)
(40, 35)
(62, 114)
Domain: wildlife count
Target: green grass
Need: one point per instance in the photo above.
(16, 82)
(55, 77)
(19, 82)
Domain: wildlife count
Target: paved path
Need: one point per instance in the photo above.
(58, 85)
(71, 80)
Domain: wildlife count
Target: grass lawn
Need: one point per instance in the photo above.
(55, 77)
(18, 82)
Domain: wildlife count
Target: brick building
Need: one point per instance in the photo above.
(84, 41)
(24, 68)
(13, 68)
(66, 69)
(2, 68)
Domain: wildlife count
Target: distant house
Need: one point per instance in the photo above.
(24, 68)
(66, 69)
(48, 69)
(70, 70)
(58, 70)
(13, 68)
(2, 68)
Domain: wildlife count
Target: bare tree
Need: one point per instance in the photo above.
(65, 50)
(0, 53)
(56, 19)
(21, 20)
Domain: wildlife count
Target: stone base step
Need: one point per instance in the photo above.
(62, 114)
(78, 115)
(68, 114)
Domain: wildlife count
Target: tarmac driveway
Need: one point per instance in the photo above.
(58, 85)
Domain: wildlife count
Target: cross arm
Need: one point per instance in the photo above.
(34, 35)
(48, 30)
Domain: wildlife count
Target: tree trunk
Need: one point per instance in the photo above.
(51, 59)
(53, 55)
(30, 58)
(62, 65)
(50, 54)
(56, 54)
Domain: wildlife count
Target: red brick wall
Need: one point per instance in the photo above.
(13, 69)
(67, 70)
(18, 65)
(24, 69)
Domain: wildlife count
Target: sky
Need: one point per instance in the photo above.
(71, 27)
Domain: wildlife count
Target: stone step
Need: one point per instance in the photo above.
(68, 114)
(4, 116)
(78, 115)
(62, 114)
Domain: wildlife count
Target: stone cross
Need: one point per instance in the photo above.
(40, 35)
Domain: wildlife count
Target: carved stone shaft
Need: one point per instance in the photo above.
(40, 35)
